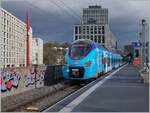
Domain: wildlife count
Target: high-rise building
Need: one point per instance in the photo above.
(95, 15)
(13, 52)
(12, 40)
(37, 51)
(94, 26)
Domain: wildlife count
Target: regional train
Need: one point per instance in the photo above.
(85, 60)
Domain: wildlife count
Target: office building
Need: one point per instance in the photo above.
(94, 26)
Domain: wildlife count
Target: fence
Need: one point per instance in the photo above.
(53, 74)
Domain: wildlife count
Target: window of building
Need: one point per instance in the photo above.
(7, 35)
(95, 28)
(103, 28)
(87, 27)
(99, 39)
(91, 28)
(76, 37)
(7, 22)
(76, 30)
(83, 31)
(103, 39)
(87, 37)
(83, 27)
(99, 32)
(95, 39)
(87, 32)
(92, 38)
(4, 20)
(79, 37)
(83, 37)
(103, 32)
(79, 29)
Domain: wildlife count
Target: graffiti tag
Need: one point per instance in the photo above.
(9, 80)
(34, 78)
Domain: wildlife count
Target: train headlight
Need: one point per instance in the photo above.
(87, 64)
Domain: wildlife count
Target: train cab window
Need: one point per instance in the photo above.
(79, 50)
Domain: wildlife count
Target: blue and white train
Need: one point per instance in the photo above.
(85, 60)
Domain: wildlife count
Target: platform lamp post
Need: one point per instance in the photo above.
(56, 49)
(143, 23)
(141, 53)
(61, 54)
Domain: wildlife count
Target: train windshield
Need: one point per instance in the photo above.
(79, 51)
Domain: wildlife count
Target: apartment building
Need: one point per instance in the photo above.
(13, 42)
(37, 51)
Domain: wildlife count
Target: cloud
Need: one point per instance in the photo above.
(54, 19)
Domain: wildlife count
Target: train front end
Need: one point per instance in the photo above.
(80, 61)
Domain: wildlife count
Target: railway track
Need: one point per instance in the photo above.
(44, 102)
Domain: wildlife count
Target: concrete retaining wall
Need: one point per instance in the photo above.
(18, 80)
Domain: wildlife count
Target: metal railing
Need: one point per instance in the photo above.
(53, 74)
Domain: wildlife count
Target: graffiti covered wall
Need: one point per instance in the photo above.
(17, 80)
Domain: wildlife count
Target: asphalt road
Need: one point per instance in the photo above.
(121, 92)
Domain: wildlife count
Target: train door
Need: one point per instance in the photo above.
(100, 61)
(108, 61)
(106, 64)
(104, 61)
(97, 60)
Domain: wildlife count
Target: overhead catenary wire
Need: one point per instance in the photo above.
(65, 21)
(73, 11)
(68, 12)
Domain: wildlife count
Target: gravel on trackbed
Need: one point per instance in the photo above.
(10, 103)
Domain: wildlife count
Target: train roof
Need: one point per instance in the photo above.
(94, 44)
(83, 40)
(89, 42)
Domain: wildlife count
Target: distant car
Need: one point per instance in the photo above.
(85, 60)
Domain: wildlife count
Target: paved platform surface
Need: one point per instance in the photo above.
(123, 91)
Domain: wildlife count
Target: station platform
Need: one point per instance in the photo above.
(119, 91)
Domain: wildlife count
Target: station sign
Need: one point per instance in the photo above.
(136, 44)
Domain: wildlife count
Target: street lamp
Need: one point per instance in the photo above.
(56, 48)
(61, 54)
(143, 23)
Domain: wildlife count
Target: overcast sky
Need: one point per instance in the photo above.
(53, 20)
